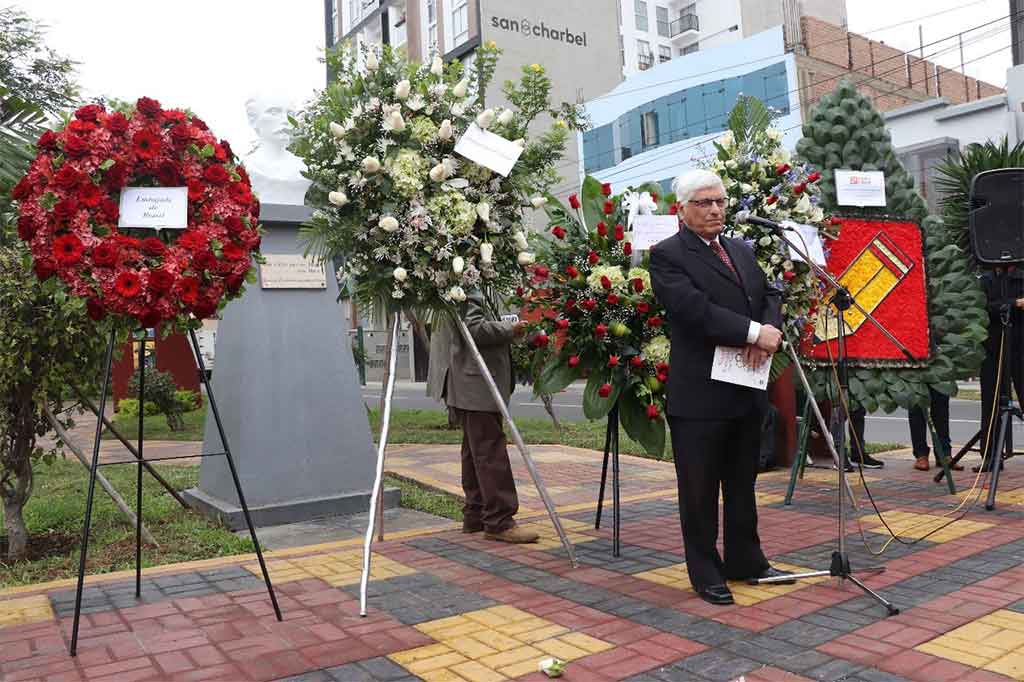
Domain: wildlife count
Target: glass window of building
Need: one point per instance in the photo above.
(649, 129)
(460, 21)
(661, 14)
(688, 9)
(640, 9)
(664, 53)
(689, 49)
(431, 26)
(645, 59)
(622, 50)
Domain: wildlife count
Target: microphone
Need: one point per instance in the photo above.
(743, 217)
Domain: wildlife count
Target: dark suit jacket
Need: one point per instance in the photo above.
(707, 307)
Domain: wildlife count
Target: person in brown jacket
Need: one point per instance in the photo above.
(455, 378)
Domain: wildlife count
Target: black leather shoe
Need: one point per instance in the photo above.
(472, 526)
(772, 572)
(719, 595)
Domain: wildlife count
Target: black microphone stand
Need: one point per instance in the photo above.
(842, 301)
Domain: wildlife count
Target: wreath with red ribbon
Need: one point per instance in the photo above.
(69, 207)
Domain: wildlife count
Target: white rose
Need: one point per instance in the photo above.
(400, 274)
(486, 252)
(461, 89)
(520, 239)
(730, 164)
(804, 205)
(538, 201)
(394, 122)
(338, 198)
(457, 294)
(776, 259)
(765, 241)
(437, 66)
(445, 130)
(371, 164)
(817, 215)
(402, 89)
(726, 140)
(458, 109)
(506, 117)
(775, 134)
(388, 223)
(483, 209)
(787, 265)
(437, 173)
(337, 130)
(371, 60)
(485, 118)
(458, 264)
(746, 188)
(525, 258)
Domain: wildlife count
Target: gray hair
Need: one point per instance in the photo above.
(688, 184)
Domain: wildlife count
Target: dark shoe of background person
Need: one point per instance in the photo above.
(921, 463)
(849, 467)
(719, 595)
(772, 572)
(469, 526)
(514, 535)
(869, 462)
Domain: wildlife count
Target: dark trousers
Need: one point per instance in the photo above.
(1013, 356)
(855, 433)
(939, 408)
(486, 472)
(710, 455)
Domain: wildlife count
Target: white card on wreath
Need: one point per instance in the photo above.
(489, 150)
(648, 230)
(161, 208)
(860, 188)
(728, 366)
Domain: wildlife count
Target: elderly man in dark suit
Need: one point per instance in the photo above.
(715, 294)
(455, 378)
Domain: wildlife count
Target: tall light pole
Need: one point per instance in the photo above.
(1017, 30)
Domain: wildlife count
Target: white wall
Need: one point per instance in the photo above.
(976, 121)
(715, 17)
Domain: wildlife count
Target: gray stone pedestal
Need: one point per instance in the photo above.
(288, 394)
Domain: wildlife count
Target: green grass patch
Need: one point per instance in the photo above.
(968, 394)
(155, 427)
(424, 498)
(55, 512)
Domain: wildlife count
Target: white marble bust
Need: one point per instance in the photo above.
(275, 171)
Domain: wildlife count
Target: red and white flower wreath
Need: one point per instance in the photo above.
(68, 203)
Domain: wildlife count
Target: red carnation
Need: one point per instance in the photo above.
(606, 188)
(636, 362)
(574, 360)
(227, 149)
(250, 239)
(196, 190)
(204, 260)
(771, 199)
(90, 195)
(638, 284)
(128, 284)
(65, 208)
(149, 318)
(199, 123)
(572, 271)
(814, 177)
(146, 144)
(26, 227)
(602, 229)
(168, 175)
(609, 208)
(116, 176)
(117, 123)
(241, 194)
(558, 231)
(220, 153)
(600, 330)
(605, 390)
(148, 106)
(234, 283)
(75, 147)
(574, 201)
(193, 240)
(593, 258)
(105, 253)
(216, 174)
(109, 209)
(22, 190)
(613, 360)
(68, 177)
(627, 248)
(781, 168)
(48, 141)
(234, 225)
(67, 249)
(643, 308)
(605, 282)
(181, 134)
(152, 246)
(654, 321)
(541, 272)
(94, 308)
(673, 209)
(799, 188)
(160, 280)
(562, 324)
(612, 299)
(652, 412)
(174, 116)
(44, 269)
(233, 251)
(588, 304)
(188, 290)
(80, 127)
(541, 340)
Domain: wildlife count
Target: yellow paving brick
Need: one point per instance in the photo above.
(586, 642)
(952, 654)
(1011, 665)
(488, 618)
(1007, 640)
(337, 569)
(442, 675)
(561, 649)
(1011, 620)
(419, 653)
(34, 609)
(517, 655)
(521, 626)
(510, 613)
(501, 642)
(475, 672)
(519, 669)
(542, 633)
(435, 663)
(914, 525)
(967, 647)
(978, 631)
(471, 648)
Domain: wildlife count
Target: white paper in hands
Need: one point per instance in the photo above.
(808, 239)
(729, 366)
(489, 150)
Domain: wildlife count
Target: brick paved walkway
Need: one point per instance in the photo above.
(456, 608)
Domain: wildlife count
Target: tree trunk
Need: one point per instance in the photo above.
(15, 497)
(16, 469)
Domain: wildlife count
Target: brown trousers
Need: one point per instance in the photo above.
(486, 472)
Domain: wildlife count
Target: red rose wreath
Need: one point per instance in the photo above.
(68, 204)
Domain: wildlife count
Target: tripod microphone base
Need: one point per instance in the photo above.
(840, 568)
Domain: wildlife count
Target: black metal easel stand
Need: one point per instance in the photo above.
(141, 462)
(611, 448)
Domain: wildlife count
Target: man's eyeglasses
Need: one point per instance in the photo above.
(708, 203)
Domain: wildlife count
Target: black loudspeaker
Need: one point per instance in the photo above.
(997, 216)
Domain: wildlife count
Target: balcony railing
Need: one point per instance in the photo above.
(645, 60)
(684, 25)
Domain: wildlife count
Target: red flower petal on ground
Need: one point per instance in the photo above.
(128, 284)
(146, 144)
(67, 249)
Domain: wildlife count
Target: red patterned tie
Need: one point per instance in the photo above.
(724, 257)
